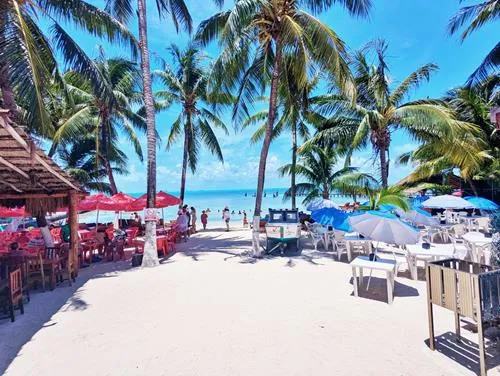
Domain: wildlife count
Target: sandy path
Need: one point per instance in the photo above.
(209, 311)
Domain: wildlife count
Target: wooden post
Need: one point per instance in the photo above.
(430, 314)
(480, 329)
(73, 228)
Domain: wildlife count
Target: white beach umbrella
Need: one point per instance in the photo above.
(418, 217)
(447, 202)
(321, 204)
(384, 227)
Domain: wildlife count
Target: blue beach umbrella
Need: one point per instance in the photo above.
(384, 227)
(482, 203)
(332, 217)
(321, 204)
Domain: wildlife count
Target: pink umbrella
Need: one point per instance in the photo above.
(163, 200)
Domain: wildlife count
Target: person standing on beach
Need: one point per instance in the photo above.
(182, 226)
(193, 218)
(204, 219)
(226, 216)
(245, 221)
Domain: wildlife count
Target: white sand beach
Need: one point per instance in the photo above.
(209, 310)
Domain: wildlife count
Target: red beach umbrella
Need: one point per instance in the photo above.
(12, 212)
(119, 202)
(94, 202)
(163, 200)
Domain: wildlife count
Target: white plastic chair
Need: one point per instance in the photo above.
(317, 238)
(483, 224)
(484, 253)
(339, 244)
(460, 250)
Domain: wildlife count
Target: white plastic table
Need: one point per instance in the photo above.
(350, 240)
(386, 265)
(476, 239)
(414, 251)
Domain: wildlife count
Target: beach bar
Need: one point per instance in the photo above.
(30, 179)
(468, 289)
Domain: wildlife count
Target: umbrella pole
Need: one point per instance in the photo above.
(97, 220)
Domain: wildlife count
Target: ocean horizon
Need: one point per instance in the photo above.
(237, 200)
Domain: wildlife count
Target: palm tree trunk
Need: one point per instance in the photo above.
(105, 155)
(265, 149)
(384, 168)
(294, 163)
(150, 257)
(184, 160)
(326, 193)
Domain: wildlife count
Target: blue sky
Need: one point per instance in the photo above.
(416, 33)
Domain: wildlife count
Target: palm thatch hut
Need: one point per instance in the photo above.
(29, 178)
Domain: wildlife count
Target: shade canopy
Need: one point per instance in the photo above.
(447, 202)
(163, 200)
(384, 227)
(119, 202)
(12, 212)
(321, 204)
(332, 217)
(482, 203)
(417, 216)
(95, 202)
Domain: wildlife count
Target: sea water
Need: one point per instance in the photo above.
(216, 200)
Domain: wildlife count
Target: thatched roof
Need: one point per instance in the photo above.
(27, 176)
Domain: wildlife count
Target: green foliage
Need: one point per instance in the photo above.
(186, 84)
(317, 167)
(30, 55)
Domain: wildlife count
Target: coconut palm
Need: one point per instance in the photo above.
(28, 56)
(377, 197)
(317, 167)
(78, 159)
(104, 116)
(123, 11)
(293, 114)
(255, 35)
(473, 17)
(380, 109)
(186, 85)
(472, 152)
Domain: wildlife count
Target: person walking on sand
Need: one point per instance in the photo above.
(204, 219)
(245, 221)
(193, 219)
(226, 216)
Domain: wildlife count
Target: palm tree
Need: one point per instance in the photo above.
(472, 152)
(78, 159)
(317, 166)
(474, 17)
(123, 11)
(377, 197)
(103, 116)
(186, 85)
(279, 27)
(28, 61)
(380, 109)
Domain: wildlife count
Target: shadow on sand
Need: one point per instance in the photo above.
(43, 305)
(466, 352)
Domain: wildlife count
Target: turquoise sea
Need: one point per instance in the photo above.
(237, 200)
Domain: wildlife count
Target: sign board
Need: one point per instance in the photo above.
(151, 214)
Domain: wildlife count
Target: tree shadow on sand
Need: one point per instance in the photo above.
(43, 305)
